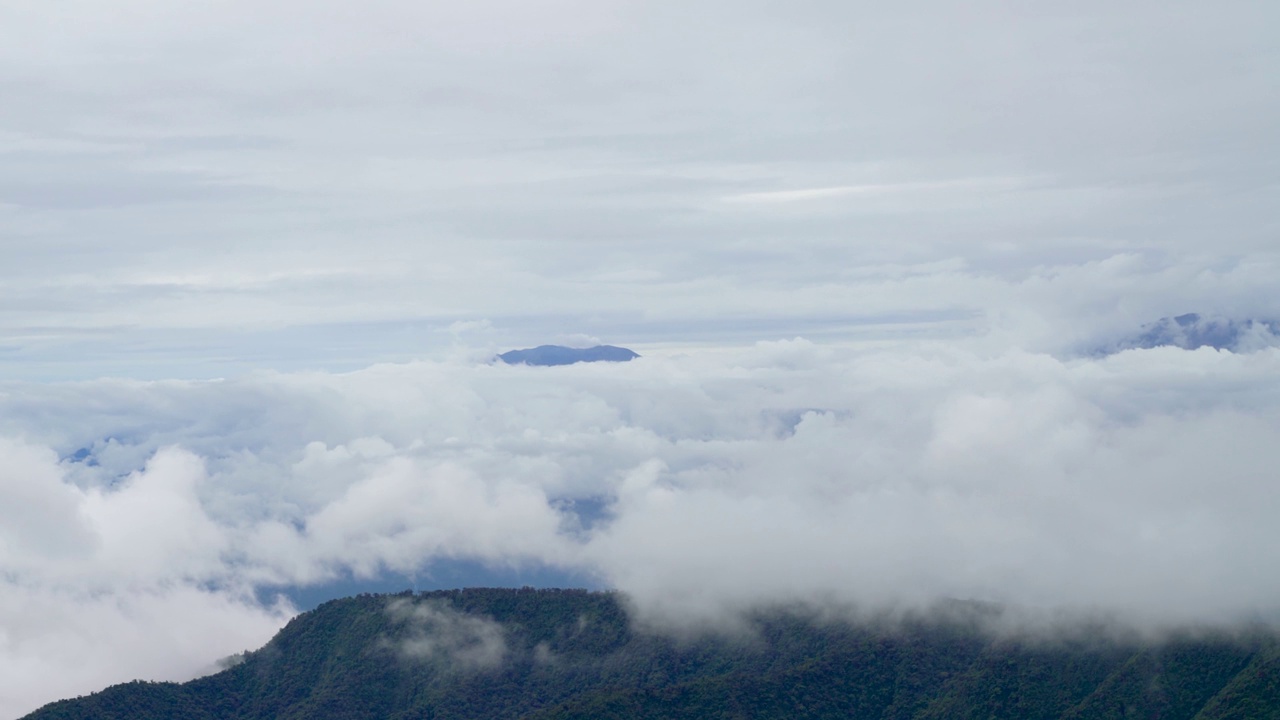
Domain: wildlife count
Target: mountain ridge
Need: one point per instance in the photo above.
(577, 654)
(1191, 331)
(552, 355)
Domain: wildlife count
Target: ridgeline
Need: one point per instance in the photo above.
(573, 654)
(553, 355)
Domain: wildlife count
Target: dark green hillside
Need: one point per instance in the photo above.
(1253, 694)
(561, 654)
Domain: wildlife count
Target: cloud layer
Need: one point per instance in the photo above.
(205, 190)
(698, 483)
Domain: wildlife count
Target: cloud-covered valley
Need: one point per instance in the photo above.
(141, 520)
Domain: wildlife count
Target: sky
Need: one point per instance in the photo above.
(256, 258)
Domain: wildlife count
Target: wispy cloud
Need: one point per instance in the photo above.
(979, 184)
(437, 633)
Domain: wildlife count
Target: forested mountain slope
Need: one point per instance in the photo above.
(559, 654)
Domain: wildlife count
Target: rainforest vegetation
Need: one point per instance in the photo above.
(572, 654)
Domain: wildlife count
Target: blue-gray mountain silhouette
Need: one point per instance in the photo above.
(1192, 330)
(561, 355)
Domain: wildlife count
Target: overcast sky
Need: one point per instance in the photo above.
(202, 188)
(863, 247)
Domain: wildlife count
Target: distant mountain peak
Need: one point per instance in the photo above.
(1190, 331)
(548, 355)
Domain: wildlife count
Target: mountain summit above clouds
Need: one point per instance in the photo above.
(561, 355)
(1192, 330)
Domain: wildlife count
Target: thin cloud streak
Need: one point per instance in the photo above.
(964, 184)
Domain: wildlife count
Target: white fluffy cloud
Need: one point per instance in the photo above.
(1137, 483)
(106, 583)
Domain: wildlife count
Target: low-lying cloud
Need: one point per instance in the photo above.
(436, 633)
(139, 519)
